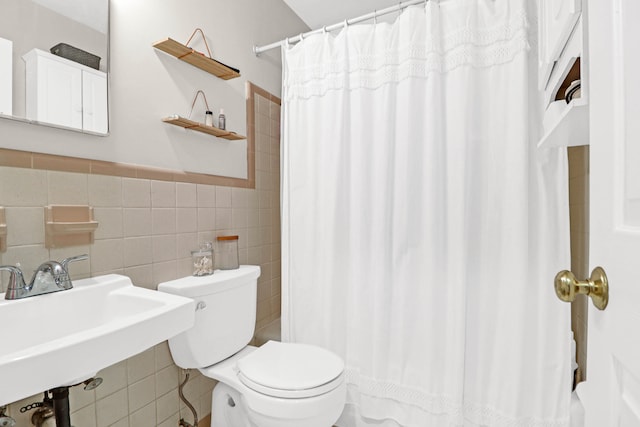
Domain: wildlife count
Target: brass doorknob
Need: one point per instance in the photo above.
(597, 287)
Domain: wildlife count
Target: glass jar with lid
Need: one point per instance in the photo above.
(203, 260)
(228, 252)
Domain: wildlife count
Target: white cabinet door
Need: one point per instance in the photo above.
(6, 77)
(54, 91)
(556, 21)
(65, 93)
(611, 393)
(94, 102)
(60, 97)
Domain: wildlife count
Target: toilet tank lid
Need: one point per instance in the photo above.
(219, 281)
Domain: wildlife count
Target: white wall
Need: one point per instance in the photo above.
(146, 85)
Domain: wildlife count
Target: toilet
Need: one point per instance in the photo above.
(275, 385)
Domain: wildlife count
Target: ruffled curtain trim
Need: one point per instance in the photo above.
(366, 64)
(431, 406)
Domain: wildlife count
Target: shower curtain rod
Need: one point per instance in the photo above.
(373, 15)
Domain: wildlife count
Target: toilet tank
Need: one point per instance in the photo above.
(225, 315)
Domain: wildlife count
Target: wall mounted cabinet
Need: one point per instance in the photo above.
(65, 93)
(557, 19)
(563, 60)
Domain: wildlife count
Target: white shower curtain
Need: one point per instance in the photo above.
(422, 228)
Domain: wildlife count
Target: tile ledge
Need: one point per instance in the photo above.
(25, 159)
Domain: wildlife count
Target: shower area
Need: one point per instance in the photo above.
(421, 224)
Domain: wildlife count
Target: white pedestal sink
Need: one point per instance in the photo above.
(63, 338)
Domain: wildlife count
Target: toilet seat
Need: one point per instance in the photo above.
(291, 370)
(291, 394)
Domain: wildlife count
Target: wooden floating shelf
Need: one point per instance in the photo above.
(196, 59)
(200, 127)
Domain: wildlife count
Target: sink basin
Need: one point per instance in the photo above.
(66, 337)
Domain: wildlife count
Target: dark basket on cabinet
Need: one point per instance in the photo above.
(76, 55)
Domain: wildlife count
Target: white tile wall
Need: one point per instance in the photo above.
(112, 409)
(67, 188)
(136, 193)
(186, 195)
(144, 417)
(147, 230)
(206, 196)
(115, 378)
(137, 251)
(111, 223)
(163, 221)
(164, 248)
(167, 405)
(28, 226)
(141, 366)
(142, 393)
(105, 190)
(85, 417)
(137, 222)
(163, 194)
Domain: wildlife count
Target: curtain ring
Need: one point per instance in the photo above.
(301, 37)
(324, 29)
(375, 17)
(346, 23)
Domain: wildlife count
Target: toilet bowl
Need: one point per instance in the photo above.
(266, 399)
(275, 385)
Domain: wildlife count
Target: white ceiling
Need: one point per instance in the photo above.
(318, 13)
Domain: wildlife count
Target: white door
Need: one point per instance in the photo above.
(611, 394)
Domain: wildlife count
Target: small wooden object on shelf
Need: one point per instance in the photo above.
(572, 75)
(196, 59)
(201, 127)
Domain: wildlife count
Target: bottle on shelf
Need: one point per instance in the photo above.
(222, 120)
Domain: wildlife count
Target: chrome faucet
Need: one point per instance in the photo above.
(50, 276)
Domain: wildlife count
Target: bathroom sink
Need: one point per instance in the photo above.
(66, 337)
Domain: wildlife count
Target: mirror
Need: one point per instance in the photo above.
(67, 89)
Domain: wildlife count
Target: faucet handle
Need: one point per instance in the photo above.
(65, 262)
(16, 285)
